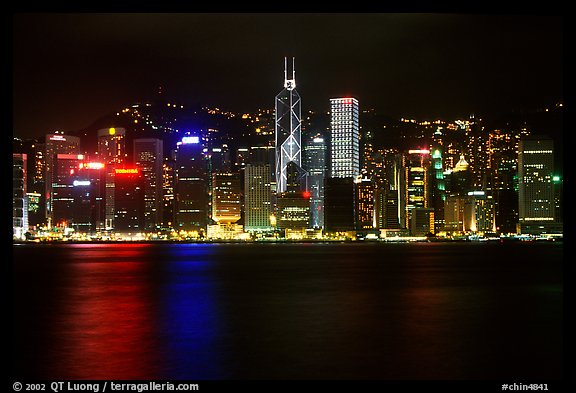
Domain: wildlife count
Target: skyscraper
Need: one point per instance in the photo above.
(128, 200)
(112, 145)
(535, 187)
(257, 198)
(56, 144)
(315, 165)
(339, 202)
(288, 128)
(364, 203)
(19, 200)
(226, 206)
(191, 186)
(416, 177)
(345, 137)
(65, 171)
(437, 188)
(148, 156)
(88, 183)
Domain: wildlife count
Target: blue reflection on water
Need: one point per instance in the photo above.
(190, 320)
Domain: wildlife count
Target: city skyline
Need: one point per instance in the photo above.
(70, 69)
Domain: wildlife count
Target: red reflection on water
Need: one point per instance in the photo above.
(106, 328)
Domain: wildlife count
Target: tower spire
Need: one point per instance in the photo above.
(289, 83)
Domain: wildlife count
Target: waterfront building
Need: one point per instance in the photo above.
(191, 191)
(344, 138)
(55, 144)
(226, 193)
(416, 181)
(128, 200)
(315, 151)
(536, 206)
(422, 221)
(339, 204)
(287, 128)
(258, 208)
(19, 200)
(364, 203)
(149, 157)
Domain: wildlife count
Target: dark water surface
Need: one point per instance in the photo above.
(288, 311)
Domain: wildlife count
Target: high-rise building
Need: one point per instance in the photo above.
(389, 189)
(226, 208)
(88, 181)
(288, 128)
(364, 203)
(339, 204)
(35, 172)
(112, 145)
(535, 184)
(128, 200)
(56, 144)
(460, 214)
(168, 184)
(422, 221)
(149, 157)
(390, 203)
(460, 179)
(293, 210)
(437, 188)
(315, 152)
(65, 170)
(416, 181)
(345, 137)
(484, 210)
(191, 186)
(258, 209)
(19, 200)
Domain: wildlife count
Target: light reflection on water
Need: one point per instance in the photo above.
(288, 311)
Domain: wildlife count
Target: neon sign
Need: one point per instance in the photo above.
(126, 171)
(190, 139)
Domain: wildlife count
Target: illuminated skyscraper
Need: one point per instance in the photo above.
(225, 198)
(364, 201)
(148, 156)
(112, 145)
(19, 200)
(65, 170)
(315, 165)
(257, 198)
(484, 210)
(128, 200)
(288, 128)
(416, 181)
(437, 188)
(345, 137)
(191, 186)
(461, 179)
(460, 214)
(535, 187)
(56, 144)
(89, 197)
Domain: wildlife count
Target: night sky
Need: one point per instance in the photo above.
(70, 69)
